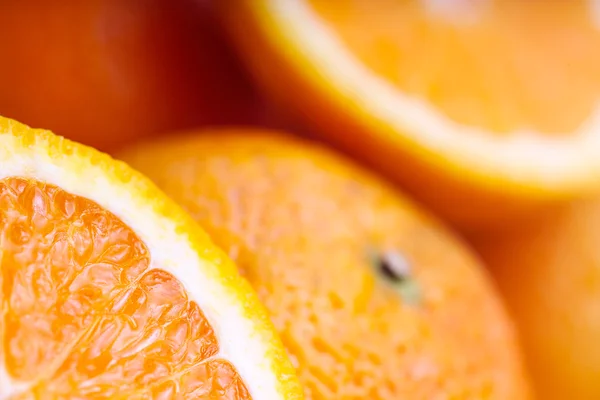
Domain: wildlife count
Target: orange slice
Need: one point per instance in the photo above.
(108, 289)
(482, 109)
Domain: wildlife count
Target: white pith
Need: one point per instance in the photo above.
(595, 10)
(239, 341)
(520, 157)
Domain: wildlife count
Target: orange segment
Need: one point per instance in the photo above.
(149, 334)
(85, 317)
(63, 259)
(468, 57)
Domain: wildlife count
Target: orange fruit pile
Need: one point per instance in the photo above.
(373, 299)
(495, 101)
(109, 290)
(318, 277)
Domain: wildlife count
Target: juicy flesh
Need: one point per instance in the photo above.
(501, 65)
(85, 316)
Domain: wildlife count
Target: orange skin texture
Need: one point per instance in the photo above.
(549, 273)
(468, 201)
(104, 72)
(303, 225)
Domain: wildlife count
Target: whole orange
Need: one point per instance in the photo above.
(549, 273)
(105, 71)
(373, 298)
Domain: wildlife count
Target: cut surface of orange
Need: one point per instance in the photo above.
(108, 289)
(436, 51)
(494, 101)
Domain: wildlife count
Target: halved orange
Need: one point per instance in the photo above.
(482, 109)
(109, 290)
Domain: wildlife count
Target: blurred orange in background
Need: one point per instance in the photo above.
(549, 273)
(103, 72)
(485, 111)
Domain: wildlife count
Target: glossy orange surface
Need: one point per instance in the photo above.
(85, 315)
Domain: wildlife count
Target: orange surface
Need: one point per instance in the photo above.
(315, 235)
(500, 65)
(104, 72)
(549, 273)
(85, 317)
